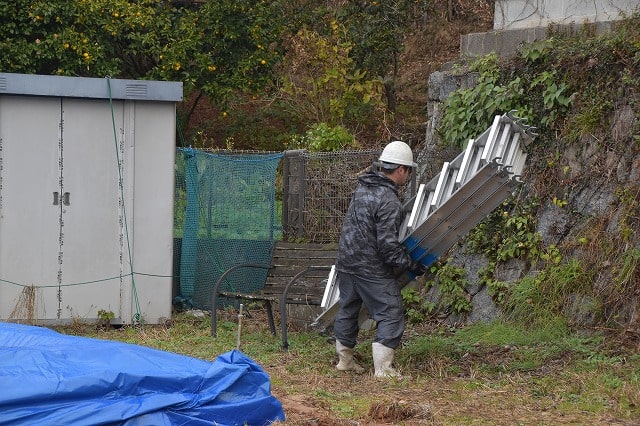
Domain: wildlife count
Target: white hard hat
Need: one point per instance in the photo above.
(397, 152)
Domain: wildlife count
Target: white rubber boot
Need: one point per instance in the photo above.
(382, 360)
(345, 359)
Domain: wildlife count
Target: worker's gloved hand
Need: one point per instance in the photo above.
(417, 268)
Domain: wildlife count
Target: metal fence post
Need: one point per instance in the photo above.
(293, 182)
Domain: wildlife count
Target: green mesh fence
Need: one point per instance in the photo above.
(225, 215)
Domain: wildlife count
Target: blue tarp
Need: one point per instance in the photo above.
(48, 378)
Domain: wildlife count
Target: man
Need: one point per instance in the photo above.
(370, 257)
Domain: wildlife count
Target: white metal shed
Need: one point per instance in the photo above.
(86, 198)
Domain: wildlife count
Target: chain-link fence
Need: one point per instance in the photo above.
(314, 188)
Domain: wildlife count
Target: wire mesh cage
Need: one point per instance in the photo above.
(329, 181)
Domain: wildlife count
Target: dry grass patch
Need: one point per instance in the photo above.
(452, 379)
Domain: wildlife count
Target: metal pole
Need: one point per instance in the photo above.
(240, 316)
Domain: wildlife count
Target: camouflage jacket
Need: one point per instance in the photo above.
(369, 244)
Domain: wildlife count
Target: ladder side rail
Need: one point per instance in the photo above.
(502, 146)
(462, 226)
(457, 201)
(420, 242)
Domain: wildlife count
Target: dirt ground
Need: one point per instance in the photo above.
(404, 406)
(462, 399)
(430, 393)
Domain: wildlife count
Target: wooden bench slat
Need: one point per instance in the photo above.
(299, 299)
(249, 296)
(288, 260)
(285, 245)
(302, 263)
(310, 293)
(290, 273)
(306, 256)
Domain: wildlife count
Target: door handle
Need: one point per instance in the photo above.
(66, 198)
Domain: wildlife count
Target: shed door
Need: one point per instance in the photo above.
(29, 222)
(93, 216)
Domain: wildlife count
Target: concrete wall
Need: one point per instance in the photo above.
(517, 22)
(516, 14)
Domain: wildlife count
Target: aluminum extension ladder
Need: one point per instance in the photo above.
(465, 191)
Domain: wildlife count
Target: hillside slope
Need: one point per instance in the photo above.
(566, 246)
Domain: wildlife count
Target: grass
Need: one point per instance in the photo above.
(486, 374)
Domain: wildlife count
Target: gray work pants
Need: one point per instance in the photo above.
(382, 298)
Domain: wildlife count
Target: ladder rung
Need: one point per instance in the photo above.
(437, 193)
(417, 207)
(512, 150)
(501, 147)
(331, 291)
(491, 140)
(466, 160)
